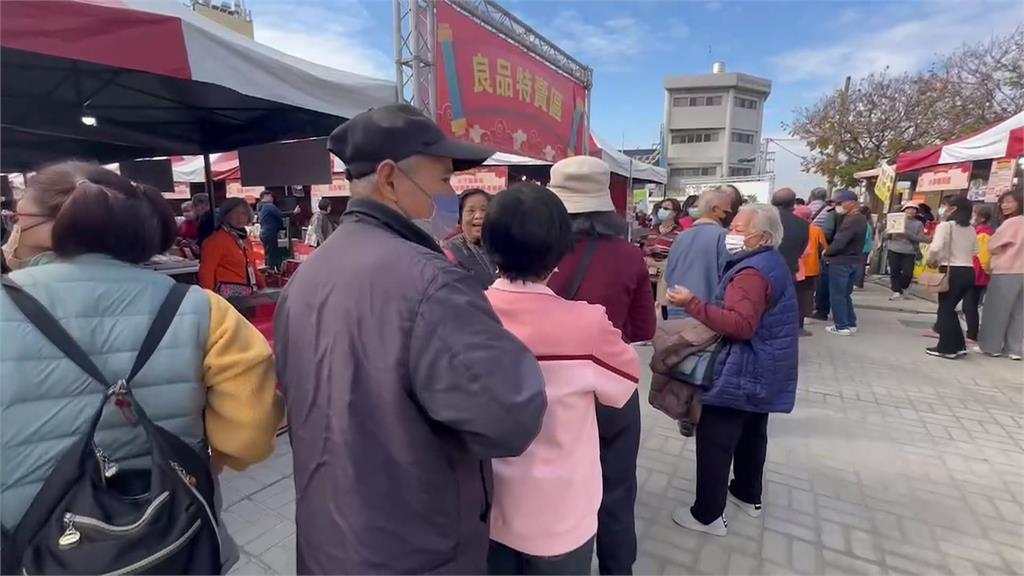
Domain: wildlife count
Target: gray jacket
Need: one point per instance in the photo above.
(47, 401)
(910, 241)
(401, 384)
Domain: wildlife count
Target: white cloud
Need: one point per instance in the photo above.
(612, 42)
(331, 35)
(904, 45)
(713, 6)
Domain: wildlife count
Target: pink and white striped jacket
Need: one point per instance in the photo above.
(546, 500)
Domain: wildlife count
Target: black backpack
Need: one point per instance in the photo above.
(90, 517)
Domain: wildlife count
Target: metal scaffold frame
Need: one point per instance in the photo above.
(415, 26)
(414, 54)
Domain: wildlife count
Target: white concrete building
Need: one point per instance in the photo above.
(713, 125)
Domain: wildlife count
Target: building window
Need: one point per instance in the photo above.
(743, 137)
(695, 172)
(694, 101)
(694, 137)
(740, 170)
(748, 103)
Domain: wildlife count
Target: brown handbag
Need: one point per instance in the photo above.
(938, 282)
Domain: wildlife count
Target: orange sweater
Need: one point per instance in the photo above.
(810, 262)
(221, 260)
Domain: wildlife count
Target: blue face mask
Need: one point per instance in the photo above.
(445, 216)
(694, 212)
(664, 215)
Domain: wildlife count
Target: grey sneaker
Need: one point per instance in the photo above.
(752, 510)
(684, 518)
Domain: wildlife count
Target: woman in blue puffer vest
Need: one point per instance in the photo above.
(755, 312)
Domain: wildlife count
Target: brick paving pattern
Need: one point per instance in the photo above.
(892, 463)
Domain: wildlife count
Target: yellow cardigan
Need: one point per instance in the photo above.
(243, 409)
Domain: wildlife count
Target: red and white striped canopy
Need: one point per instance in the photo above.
(160, 79)
(1003, 140)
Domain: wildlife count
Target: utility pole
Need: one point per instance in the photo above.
(840, 124)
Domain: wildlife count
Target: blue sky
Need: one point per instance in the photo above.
(805, 48)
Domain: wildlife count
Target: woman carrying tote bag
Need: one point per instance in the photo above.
(952, 251)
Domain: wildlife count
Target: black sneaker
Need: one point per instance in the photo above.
(933, 351)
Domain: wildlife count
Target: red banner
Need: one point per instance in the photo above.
(492, 179)
(492, 92)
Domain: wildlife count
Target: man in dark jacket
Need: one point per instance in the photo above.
(795, 231)
(271, 224)
(401, 383)
(844, 256)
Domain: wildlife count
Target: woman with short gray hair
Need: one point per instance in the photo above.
(755, 313)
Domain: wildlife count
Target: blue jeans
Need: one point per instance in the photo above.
(840, 289)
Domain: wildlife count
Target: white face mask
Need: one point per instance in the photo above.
(840, 209)
(735, 243)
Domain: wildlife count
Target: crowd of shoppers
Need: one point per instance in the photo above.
(472, 407)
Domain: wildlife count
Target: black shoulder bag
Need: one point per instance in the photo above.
(90, 517)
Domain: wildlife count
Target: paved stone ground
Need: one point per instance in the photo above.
(892, 462)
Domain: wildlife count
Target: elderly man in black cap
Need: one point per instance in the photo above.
(400, 381)
(844, 257)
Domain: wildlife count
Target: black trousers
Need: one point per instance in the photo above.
(822, 299)
(805, 297)
(951, 335)
(901, 271)
(504, 560)
(972, 310)
(727, 436)
(619, 431)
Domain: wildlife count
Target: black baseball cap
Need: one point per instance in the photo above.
(396, 132)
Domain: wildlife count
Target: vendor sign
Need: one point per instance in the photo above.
(895, 223)
(181, 192)
(337, 187)
(492, 179)
(884, 184)
(492, 92)
(1000, 179)
(948, 177)
(236, 190)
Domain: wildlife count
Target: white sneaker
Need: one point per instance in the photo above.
(896, 296)
(1013, 356)
(684, 518)
(752, 510)
(839, 331)
(852, 329)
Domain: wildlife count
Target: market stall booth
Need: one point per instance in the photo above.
(145, 78)
(981, 165)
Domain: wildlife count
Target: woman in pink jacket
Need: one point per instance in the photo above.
(544, 514)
